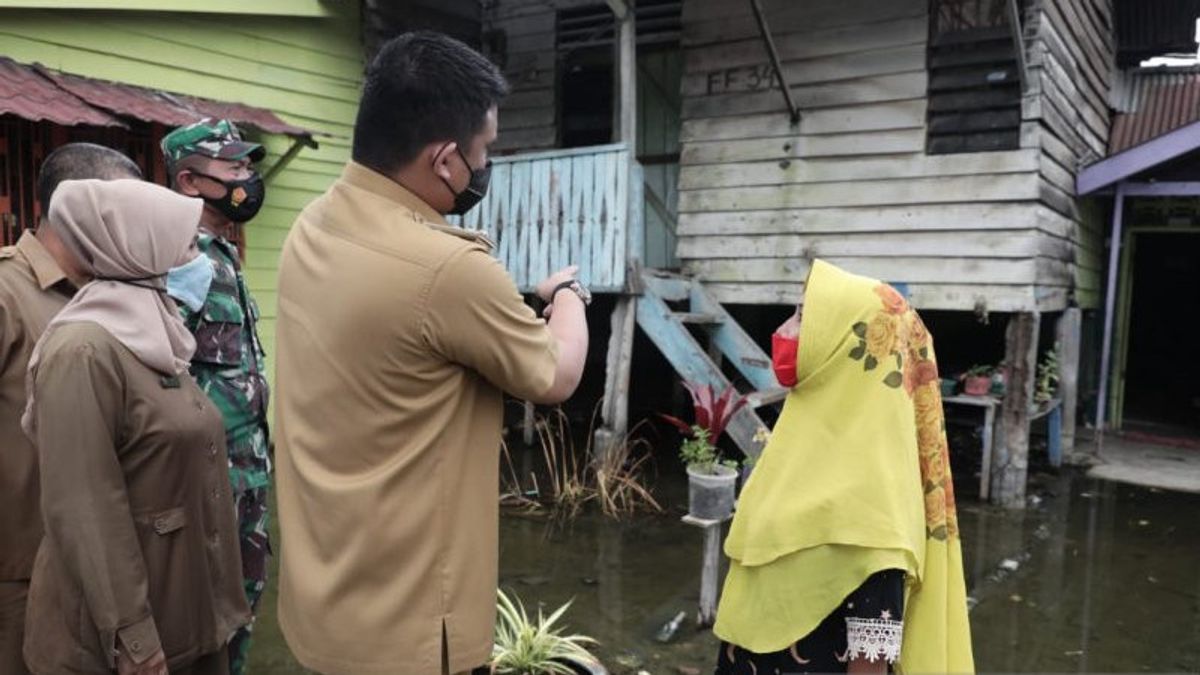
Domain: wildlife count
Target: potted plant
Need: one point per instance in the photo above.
(978, 381)
(712, 480)
(524, 646)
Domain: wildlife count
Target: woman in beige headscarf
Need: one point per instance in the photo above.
(139, 571)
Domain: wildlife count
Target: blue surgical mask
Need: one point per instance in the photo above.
(189, 282)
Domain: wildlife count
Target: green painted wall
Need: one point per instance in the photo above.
(306, 69)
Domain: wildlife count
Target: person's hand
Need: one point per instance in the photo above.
(155, 665)
(546, 288)
(791, 328)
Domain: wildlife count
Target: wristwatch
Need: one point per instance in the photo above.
(575, 287)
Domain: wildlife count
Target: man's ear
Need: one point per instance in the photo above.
(185, 183)
(440, 154)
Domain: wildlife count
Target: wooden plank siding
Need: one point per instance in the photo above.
(760, 198)
(529, 116)
(306, 69)
(1071, 56)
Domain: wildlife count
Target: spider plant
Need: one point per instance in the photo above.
(525, 646)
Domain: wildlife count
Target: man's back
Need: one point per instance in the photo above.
(28, 301)
(32, 290)
(395, 338)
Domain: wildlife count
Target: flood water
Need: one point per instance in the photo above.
(1094, 577)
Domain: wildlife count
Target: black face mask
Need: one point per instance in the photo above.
(476, 188)
(242, 200)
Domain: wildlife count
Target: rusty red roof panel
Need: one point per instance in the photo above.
(244, 115)
(36, 92)
(26, 94)
(126, 100)
(1157, 103)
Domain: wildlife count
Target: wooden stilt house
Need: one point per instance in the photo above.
(933, 144)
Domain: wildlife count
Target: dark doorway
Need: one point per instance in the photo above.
(586, 95)
(1162, 375)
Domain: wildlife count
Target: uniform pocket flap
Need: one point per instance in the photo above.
(223, 309)
(168, 521)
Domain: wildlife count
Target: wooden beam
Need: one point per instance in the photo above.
(710, 569)
(1011, 460)
(614, 411)
(1137, 159)
(1110, 300)
(528, 424)
(619, 9)
(1070, 333)
(626, 46)
(1163, 189)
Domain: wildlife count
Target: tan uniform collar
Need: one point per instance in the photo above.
(45, 269)
(372, 181)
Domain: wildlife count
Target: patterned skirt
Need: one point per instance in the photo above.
(868, 624)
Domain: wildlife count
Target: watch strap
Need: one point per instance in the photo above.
(564, 286)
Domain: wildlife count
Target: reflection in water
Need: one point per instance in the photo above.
(1108, 581)
(1094, 577)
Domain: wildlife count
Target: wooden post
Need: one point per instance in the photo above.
(1110, 302)
(710, 569)
(1011, 460)
(626, 46)
(614, 412)
(527, 427)
(709, 572)
(1070, 332)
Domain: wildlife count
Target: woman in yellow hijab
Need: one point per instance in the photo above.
(845, 553)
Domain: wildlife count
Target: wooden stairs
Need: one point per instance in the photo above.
(670, 307)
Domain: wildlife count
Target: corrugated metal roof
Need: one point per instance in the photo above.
(245, 115)
(36, 92)
(28, 95)
(1152, 102)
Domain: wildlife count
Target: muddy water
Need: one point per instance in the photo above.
(1095, 577)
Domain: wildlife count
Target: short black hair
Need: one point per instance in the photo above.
(422, 87)
(80, 161)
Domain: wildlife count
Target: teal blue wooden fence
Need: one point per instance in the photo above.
(547, 210)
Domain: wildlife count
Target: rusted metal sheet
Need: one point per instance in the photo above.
(1153, 103)
(35, 92)
(26, 94)
(245, 115)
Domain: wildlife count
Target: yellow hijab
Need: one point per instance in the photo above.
(854, 480)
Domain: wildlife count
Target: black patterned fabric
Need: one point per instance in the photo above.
(874, 611)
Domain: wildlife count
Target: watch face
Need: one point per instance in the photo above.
(584, 293)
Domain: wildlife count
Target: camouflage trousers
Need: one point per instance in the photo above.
(253, 518)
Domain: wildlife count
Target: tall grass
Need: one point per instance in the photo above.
(615, 478)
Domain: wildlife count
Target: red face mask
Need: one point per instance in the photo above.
(783, 359)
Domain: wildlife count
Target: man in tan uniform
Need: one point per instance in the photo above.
(397, 336)
(37, 277)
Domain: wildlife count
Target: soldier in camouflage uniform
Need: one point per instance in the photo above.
(209, 159)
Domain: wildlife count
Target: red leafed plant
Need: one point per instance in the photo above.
(712, 412)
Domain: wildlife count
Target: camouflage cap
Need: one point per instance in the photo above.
(218, 139)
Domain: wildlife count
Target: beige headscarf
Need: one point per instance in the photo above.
(127, 234)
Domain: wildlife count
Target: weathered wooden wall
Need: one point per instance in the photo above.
(527, 55)
(1071, 56)
(307, 69)
(851, 183)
